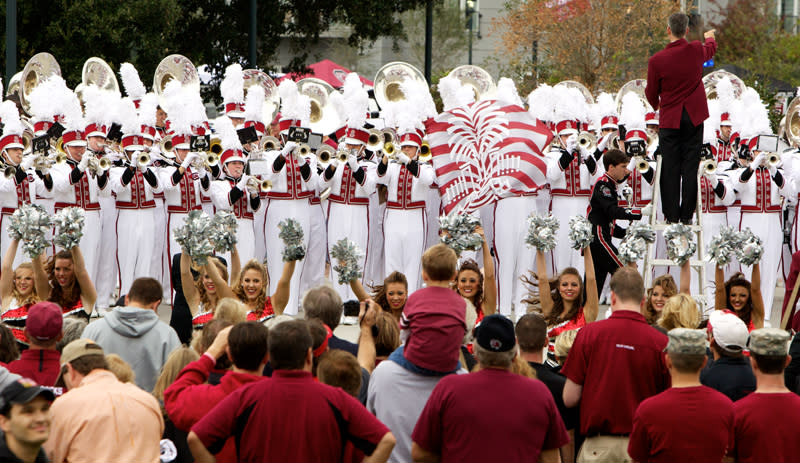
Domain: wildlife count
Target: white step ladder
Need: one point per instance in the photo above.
(697, 262)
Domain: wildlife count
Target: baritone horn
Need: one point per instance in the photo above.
(587, 141)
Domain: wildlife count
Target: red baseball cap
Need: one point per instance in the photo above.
(44, 321)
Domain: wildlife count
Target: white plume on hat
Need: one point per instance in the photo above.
(606, 105)
(711, 124)
(633, 112)
(127, 117)
(48, 98)
(507, 92)
(98, 106)
(542, 102)
(356, 101)
(289, 94)
(177, 107)
(254, 103)
(73, 114)
(725, 94)
(12, 125)
(454, 94)
(411, 111)
(134, 87)
(755, 116)
(232, 86)
(570, 104)
(148, 106)
(227, 134)
(593, 113)
(195, 107)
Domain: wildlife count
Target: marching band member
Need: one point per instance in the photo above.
(19, 188)
(81, 182)
(351, 182)
(134, 186)
(725, 102)
(237, 192)
(253, 115)
(759, 187)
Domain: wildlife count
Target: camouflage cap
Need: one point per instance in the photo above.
(769, 341)
(686, 341)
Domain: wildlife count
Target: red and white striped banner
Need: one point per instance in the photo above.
(486, 151)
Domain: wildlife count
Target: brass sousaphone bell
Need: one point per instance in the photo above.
(481, 82)
(175, 67)
(636, 86)
(98, 73)
(791, 126)
(38, 69)
(711, 79)
(389, 79)
(323, 117)
(272, 102)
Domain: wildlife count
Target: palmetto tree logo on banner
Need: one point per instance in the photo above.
(486, 151)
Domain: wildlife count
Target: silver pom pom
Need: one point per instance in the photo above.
(580, 232)
(69, 227)
(722, 247)
(292, 235)
(642, 230)
(680, 245)
(30, 224)
(348, 255)
(750, 248)
(542, 232)
(634, 245)
(460, 232)
(193, 237)
(223, 231)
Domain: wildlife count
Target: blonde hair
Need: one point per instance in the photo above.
(231, 310)
(176, 361)
(201, 289)
(564, 343)
(33, 297)
(439, 262)
(669, 288)
(680, 311)
(238, 289)
(121, 369)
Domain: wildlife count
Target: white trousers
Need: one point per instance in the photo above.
(404, 234)
(767, 226)
(317, 252)
(135, 242)
(278, 210)
(513, 258)
(374, 270)
(564, 208)
(160, 246)
(349, 221)
(260, 244)
(108, 270)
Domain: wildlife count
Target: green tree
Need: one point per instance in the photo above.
(449, 35)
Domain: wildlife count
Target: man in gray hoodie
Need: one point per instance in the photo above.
(135, 333)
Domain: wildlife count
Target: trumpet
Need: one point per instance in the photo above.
(425, 154)
(166, 144)
(9, 171)
(211, 159)
(342, 155)
(324, 155)
(642, 165)
(390, 149)
(98, 165)
(708, 166)
(141, 160)
(375, 140)
(255, 185)
(303, 149)
(270, 144)
(773, 160)
(587, 141)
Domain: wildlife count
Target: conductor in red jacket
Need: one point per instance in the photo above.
(675, 87)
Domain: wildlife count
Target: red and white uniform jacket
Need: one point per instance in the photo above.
(724, 151)
(758, 191)
(243, 207)
(405, 190)
(574, 180)
(84, 193)
(20, 189)
(133, 190)
(716, 198)
(183, 196)
(641, 184)
(346, 188)
(287, 179)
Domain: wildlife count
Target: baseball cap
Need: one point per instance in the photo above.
(496, 333)
(44, 321)
(23, 391)
(686, 341)
(79, 348)
(769, 341)
(728, 330)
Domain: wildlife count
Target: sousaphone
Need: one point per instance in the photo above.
(272, 102)
(791, 127)
(575, 84)
(636, 86)
(13, 85)
(711, 79)
(390, 77)
(38, 69)
(323, 118)
(98, 73)
(175, 67)
(481, 82)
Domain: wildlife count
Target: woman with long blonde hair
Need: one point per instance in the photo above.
(251, 288)
(17, 292)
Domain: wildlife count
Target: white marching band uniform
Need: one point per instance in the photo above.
(220, 192)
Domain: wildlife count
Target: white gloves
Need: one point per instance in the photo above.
(26, 162)
(85, 161)
(601, 145)
(712, 178)
(242, 185)
(571, 143)
(288, 148)
(189, 159)
(301, 160)
(402, 158)
(352, 161)
(647, 210)
(757, 161)
(584, 153)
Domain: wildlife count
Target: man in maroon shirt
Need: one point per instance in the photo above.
(675, 88)
(41, 361)
(612, 367)
(520, 420)
(766, 421)
(689, 421)
(290, 417)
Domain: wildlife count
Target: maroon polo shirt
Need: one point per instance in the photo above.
(518, 418)
(766, 427)
(290, 418)
(675, 81)
(682, 424)
(40, 365)
(436, 319)
(619, 362)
